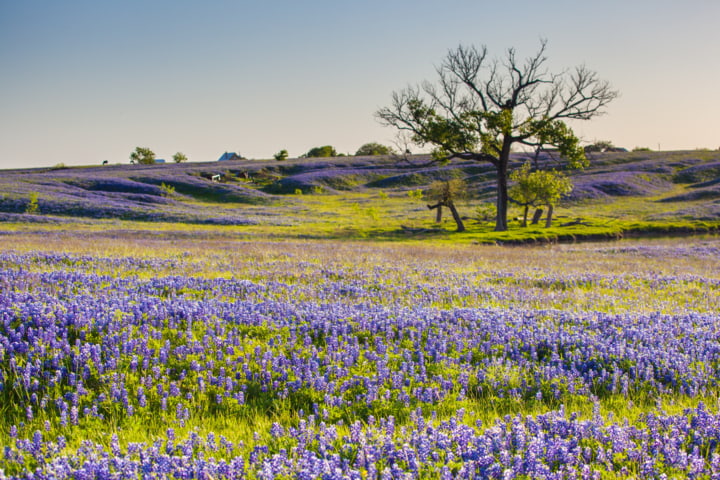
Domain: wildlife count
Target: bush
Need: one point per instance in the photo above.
(415, 194)
(486, 212)
(33, 206)
(373, 148)
(167, 190)
(324, 151)
(143, 156)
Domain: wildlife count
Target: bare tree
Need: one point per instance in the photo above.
(481, 108)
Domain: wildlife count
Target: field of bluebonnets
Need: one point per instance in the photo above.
(188, 357)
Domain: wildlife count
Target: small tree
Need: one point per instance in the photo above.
(444, 193)
(538, 188)
(599, 146)
(522, 192)
(179, 157)
(33, 206)
(373, 148)
(281, 155)
(551, 186)
(143, 156)
(324, 151)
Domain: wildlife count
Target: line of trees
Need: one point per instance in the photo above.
(540, 189)
(145, 156)
(368, 149)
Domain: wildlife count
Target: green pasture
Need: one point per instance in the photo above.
(401, 216)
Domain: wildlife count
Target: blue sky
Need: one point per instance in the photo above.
(87, 81)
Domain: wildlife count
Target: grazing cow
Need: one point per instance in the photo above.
(105, 162)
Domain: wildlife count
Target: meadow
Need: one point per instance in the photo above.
(352, 198)
(201, 353)
(309, 319)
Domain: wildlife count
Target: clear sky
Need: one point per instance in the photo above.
(82, 81)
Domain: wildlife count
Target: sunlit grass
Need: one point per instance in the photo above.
(395, 216)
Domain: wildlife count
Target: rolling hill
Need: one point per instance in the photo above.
(672, 186)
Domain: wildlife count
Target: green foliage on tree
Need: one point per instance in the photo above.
(143, 156)
(444, 190)
(522, 191)
(481, 108)
(281, 155)
(179, 157)
(538, 188)
(444, 193)
(373, 148)
(599, 146)
(324, 151)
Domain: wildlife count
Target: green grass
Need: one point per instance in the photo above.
(394, 213)
(398, 216)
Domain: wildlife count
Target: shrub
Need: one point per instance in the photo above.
(373, 148)
(324, 151)
(486, 212)
(167, 190)
(415, 194)
(33, 206)
(281, 155)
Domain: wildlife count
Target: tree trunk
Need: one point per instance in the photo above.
(456, 216)
(536, 216)
(502, 190)
(438, 206)
(548, 221)
(525, 212)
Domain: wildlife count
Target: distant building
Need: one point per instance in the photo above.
(159, 160)
(230, 156)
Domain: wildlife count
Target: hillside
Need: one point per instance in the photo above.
(359, 191)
